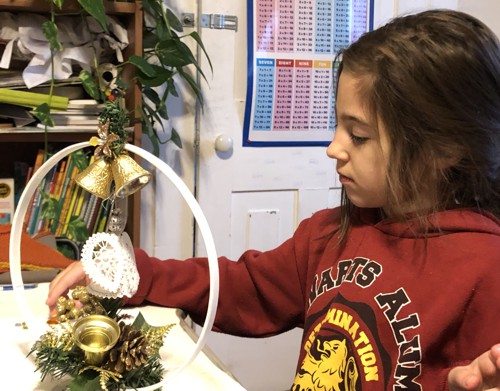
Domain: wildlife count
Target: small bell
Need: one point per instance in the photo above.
(128, 175)
(96, 178)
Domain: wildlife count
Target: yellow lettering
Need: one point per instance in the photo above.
(346, 321)
(338, 315)
(353, 330)
(362, 338)
(330, 315)
(366, 349)
(371, 373)
(368, 359)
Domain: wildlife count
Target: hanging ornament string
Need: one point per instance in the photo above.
(108, 257)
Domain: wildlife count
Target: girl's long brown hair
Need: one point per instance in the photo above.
(433, 80)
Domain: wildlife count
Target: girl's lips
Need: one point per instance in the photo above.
(343, 179)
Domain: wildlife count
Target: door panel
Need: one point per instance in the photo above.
(252, 197)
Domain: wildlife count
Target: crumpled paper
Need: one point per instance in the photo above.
(23, 33)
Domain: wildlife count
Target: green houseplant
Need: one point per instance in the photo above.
(166, 60)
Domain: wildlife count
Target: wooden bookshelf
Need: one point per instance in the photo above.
(22, 144)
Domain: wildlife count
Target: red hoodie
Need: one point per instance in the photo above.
(389, 310)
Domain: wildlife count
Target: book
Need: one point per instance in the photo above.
(95, 214)
(74, 197)
(37, 223)
(70, 172)
(102, 218)
(38, 163)
(55, 188)
(6, 200)
(78, 120)
(22, 171)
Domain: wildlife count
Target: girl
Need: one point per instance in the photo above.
(401, 283)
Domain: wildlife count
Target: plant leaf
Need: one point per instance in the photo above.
(140, 322)
(50, 206)
(58, 3)
(154, 114)
(193, 84)
(171, 88)
(149, 39)
(147, 129)
(86, 381)
(198, 40)
(143, 65)
(42, 113)
(152, 95)
(78, 229)
(176, 138)
(149, 74)
(174, 22)
(89, 84)
(96, 10)
(50, 31)
(80, 160)
(152, 7)
(173, 54)
(160, 109)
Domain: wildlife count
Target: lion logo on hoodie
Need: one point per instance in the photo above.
(328, 366)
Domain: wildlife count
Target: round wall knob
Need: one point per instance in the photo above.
(223, 143)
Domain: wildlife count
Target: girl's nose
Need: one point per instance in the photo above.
(336, 149)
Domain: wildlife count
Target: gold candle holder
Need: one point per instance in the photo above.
(95, 335)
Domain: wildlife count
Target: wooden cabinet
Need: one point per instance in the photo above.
(22, 144)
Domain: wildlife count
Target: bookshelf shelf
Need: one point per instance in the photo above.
(42, 6)
(22, 144)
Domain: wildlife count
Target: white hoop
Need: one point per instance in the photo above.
(17, 227)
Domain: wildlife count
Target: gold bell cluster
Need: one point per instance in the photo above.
(111, 167)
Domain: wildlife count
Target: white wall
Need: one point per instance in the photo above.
(486, 10)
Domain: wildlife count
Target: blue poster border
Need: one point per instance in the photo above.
(249, 94)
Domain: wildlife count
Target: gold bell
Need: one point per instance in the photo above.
(96, 178)
(129, 176)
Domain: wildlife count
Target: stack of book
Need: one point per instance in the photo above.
(72, 201)
(81, 114)
(70, 106)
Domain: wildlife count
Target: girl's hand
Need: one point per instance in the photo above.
(481, 374)
(70, 277)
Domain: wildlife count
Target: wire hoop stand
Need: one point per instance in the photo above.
(17, 226)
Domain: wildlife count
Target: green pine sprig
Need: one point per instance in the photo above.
(57, 355)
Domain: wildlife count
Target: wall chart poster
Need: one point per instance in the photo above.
(291, 69)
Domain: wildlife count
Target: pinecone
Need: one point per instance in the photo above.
(131, 350)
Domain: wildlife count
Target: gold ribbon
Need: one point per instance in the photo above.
(103, 143)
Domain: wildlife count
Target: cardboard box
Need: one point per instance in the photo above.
(6, 200)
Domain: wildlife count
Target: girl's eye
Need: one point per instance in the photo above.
(356, 140)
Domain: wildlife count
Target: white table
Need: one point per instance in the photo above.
(18, 371)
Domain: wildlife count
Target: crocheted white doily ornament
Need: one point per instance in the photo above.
(108, 259)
